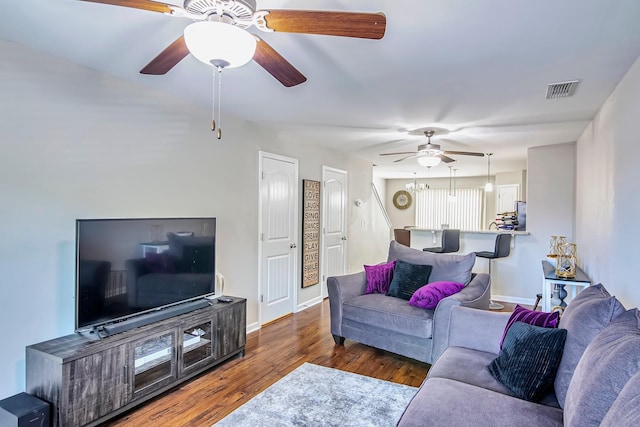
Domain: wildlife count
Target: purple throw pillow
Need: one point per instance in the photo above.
(536, 318)
(430, 294)
(379, 277)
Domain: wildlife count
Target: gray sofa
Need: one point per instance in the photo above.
(597, 382)
(392, 324)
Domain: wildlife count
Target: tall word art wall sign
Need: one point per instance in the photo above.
(310, 233)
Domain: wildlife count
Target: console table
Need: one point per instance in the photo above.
(549, 273)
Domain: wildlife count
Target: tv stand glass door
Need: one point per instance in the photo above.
(154, 362)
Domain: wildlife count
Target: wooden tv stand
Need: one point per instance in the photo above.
(89, 381)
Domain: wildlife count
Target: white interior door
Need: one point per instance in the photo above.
(507, 197)
(334, 224)
(278, 236)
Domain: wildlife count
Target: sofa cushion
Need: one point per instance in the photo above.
(538, 318)
(394, 314)
(625, 411)
(444, 402)
(408, 278)
(529, 359)
(470, 366)
(451, 267)
(379, 277)
(608, 363)
(429, 295)
(589, 312)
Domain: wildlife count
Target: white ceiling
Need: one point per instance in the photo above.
(478, 70)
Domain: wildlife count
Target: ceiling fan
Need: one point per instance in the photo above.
(430, 154)
(242, 14)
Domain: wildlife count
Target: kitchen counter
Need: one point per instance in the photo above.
(433, 230)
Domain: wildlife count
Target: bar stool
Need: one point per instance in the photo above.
(402, 236)
(450, 242)
(501, 250)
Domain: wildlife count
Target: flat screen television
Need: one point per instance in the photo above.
(128, 267)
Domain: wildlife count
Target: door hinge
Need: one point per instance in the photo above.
(261, 298)
(262, 237)
(263, 175)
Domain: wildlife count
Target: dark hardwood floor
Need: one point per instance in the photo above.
(271, 353)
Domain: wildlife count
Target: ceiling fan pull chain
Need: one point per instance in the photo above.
(219, 135)
(213, 101)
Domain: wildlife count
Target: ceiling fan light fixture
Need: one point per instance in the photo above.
(428, 161)
(213, 41)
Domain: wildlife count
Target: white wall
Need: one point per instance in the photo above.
(607, 194)
(79, 144)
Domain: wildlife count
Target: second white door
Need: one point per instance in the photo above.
(334, 224)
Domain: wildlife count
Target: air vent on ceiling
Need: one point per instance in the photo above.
(562, 89)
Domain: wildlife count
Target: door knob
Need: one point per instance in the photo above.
(344, 238)
(293, 245)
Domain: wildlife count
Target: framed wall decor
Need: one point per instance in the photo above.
(402, 199)
(310, 233)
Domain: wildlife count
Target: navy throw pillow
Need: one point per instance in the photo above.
(408, 278)
(529, 359)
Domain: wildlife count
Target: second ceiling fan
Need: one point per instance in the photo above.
(430, 154)
(242, 14)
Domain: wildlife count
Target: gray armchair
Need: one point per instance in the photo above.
(391, 323)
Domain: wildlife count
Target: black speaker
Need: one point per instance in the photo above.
(24, 410)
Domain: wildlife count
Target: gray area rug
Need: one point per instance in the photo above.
(314, 395)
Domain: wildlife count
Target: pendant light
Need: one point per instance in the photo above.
(488, 187)
(452, 187)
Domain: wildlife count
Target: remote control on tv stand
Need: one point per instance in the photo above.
(225, 299)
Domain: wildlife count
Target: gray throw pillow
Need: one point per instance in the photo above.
(589, 312)
(445, 267)
(608, 363)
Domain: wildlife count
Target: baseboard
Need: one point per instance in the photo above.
(513, 300)
(309, 303)
(253, 327)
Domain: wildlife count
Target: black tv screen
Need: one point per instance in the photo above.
(127, 267)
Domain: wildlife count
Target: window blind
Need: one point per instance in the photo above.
(434, 208)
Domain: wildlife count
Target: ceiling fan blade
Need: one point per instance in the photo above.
(395, 154)
(136, 4)
(345, 24)
(445, 159)
(464, 153)
(276, 65)
(168, 58)
(405, 158)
